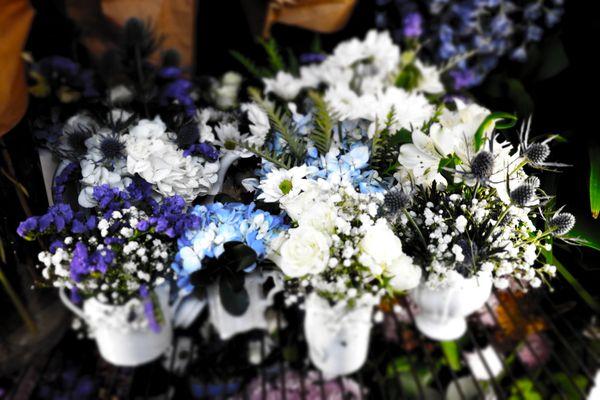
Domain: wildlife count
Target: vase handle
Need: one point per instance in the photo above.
(69, 304)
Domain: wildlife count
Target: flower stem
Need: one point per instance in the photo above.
(414, 224)
(21, 310)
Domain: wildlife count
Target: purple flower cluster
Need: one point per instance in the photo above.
(149, 309)
(205, 150)
(138, 193)
(85, 263)
(170, 218)
(55, 220)
(471, 34)
(61, 180)
(177, 89)
(60, 72)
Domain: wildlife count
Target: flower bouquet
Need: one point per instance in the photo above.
(391, 189)
(112, 267)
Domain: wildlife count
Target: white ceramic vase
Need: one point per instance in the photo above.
(337, 335)
(228, 325)
(121, 339)
(49, 165)
(443, 311)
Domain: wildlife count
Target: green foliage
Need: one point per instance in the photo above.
(409, 77)
(321, 134)
(281, 123)
(450, 350)
(595, 181)
(282, 160)
(386, 146)
(503, 120)
(523, 389)
(251, 67)
(274, 57)
(573, 385)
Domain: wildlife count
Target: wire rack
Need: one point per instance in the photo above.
(402, 363)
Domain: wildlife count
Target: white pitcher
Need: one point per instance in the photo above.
(443, 311)
(338, 336)
(121, 339)
(228, 325)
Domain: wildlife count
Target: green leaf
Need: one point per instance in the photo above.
(450, 350)
(581, 291)
(501, 119)
(280, 159)
(595, 181)
(237, 256)
(321, 134)
(554, 59)
(234, 298)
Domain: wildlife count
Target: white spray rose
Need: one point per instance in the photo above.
(381, 252)
(306, 251)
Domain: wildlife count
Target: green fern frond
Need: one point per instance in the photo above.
(281, 123)
(386, 146)
(250, 66)
(282, 160)
(275, 60)
(321, 134)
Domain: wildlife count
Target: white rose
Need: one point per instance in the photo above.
(405, 275)
(380, 247)
(306, 251)
(320, 216)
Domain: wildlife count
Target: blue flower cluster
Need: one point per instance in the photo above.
(219, 224)
(63, 77)
(474, 33)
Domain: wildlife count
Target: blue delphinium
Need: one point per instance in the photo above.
(471, 35)
(220, 224)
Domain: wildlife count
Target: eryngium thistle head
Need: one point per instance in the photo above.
(171, 58)
(188, 134)
(562, 223)
(111, 147)
(482, 165)
(537, 152)
(76, 140)
(137, 34)
(522, 195)
(533, 181)
(394, 201)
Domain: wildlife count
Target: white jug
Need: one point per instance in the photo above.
(338, 336)
(442, 311)
(228, 325)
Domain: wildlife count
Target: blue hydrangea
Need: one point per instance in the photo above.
(219, 224)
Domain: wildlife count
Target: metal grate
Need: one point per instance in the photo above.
(73, 370)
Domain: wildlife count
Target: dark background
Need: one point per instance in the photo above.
(566, 103)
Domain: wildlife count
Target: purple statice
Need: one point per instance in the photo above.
(84, 262)
(62, 179)
(66, 78)
(312, 58)
(178, 91)
(110, 199)
(470, 36)
(209, 152)
(412, 25)
(55, 220)
(149, 309)
(171, 218)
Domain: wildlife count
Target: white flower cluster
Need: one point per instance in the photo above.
(360, 77)
(153, 154)
(472, 236)
(339, 247)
